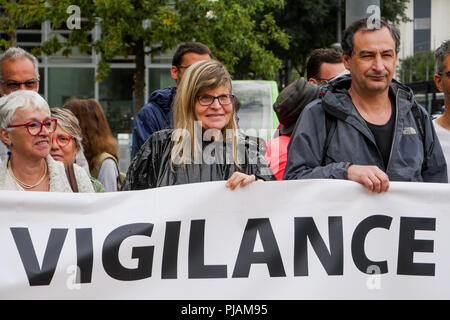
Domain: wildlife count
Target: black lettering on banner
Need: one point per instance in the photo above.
(170, 253)
(110, 253)
(38, 276)
(197, 267)
(332, 260)
(270, 256)
(85, 254)
(408, 245)
(359, 237)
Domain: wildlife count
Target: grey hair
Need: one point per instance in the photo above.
(69, 123)
(440, 54)
(15, 53)
(19, 99)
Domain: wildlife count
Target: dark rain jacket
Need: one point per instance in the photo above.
(151, 166)
(154, 116)
(411, 158)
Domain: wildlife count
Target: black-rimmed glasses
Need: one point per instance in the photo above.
(15, 85)
(207, 100)
(447, 74)
(183, 67)
(35, 127)
(324, 81)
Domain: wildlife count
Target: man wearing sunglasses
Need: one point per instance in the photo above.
(323, 65)
(157, 113)
(18, 70)
(442, 81)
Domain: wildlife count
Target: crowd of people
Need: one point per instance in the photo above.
(348, 119)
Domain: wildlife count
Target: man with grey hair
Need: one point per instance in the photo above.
(366, 127)
(442, 81)
(18, 70)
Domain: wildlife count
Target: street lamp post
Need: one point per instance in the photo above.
(357, 9)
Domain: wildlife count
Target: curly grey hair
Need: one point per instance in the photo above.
(439, 56)
(15, 53)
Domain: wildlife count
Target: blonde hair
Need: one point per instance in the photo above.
(202, 75)
(69, 123)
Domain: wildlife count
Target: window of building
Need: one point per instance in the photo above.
(65, 83)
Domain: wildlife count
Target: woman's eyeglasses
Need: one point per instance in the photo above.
(15, 85)
(35, 127)
(207, 100)
(62, 140)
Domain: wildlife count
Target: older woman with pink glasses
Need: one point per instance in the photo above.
(67, 141)
(26, 127)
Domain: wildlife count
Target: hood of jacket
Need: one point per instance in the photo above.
(164, 98)
(337, 102)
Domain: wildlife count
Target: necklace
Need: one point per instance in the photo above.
(23, 184)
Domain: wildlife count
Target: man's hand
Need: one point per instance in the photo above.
(239, 178)
(372, 177)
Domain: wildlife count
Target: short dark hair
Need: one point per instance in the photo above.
(187, 47)
(319, 56)
(349, 33)
(440, 54)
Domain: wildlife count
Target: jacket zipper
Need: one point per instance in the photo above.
(395, 132)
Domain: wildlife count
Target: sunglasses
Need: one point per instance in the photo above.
(16, 85)
(447, 74)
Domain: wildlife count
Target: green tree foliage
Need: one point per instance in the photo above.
(149, 27)
(312, 24)
(415, 68)
(15, 14)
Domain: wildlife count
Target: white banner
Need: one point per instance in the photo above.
(310, 239)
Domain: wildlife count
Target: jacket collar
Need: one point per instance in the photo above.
(163, 98)
(337, 102)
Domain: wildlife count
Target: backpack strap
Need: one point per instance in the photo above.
(70, 173)
(419, 121)
(98, 164)
(330, 125)
(96, 170)
(421, 126)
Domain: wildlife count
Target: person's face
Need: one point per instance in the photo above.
(443, 81)
(19, 70)
(372, 64)
(216, 115)
(21, 142)
(327, 72)
(188, 59)
(63, 147)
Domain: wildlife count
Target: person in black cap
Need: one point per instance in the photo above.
(288, 106)
(324, 65)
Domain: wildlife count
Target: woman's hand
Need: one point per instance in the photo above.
(239, 178)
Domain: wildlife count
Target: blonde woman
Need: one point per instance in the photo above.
(205, 144)
(66, 141)
(26, 127)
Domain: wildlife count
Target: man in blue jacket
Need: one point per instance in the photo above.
(157, 113)
(366, 127)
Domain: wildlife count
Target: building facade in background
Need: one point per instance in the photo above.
(429, 28)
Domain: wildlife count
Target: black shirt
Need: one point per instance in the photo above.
(384, 133)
